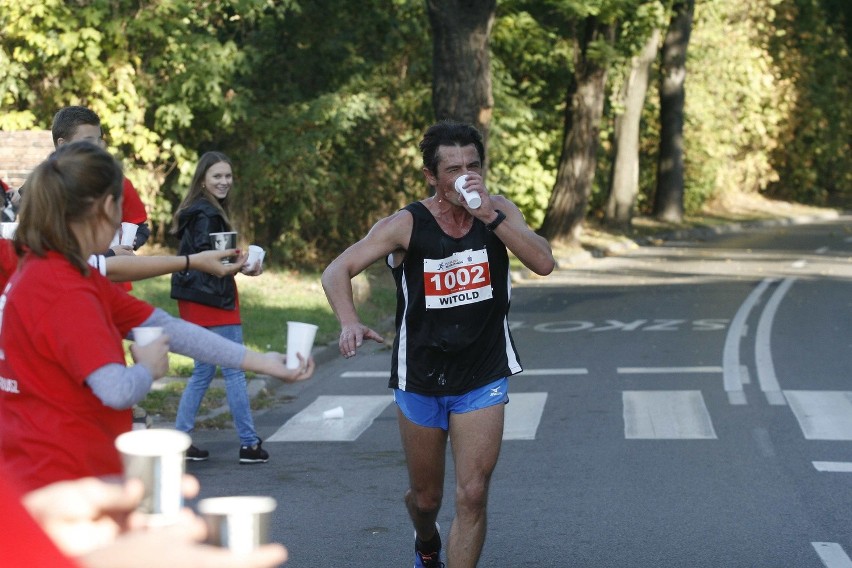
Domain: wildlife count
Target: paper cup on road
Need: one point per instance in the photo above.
(7, 230)
(128, 234)
(145, 335)
(334, 413)
(156, 457)
(240, 524)
(255, 256)
(300, 339)
(224, 241)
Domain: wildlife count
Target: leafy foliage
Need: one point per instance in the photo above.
(321, 104)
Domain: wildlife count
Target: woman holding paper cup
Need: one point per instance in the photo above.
(212, 302)
(65, 389)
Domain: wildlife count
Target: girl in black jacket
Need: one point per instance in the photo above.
(212, 302)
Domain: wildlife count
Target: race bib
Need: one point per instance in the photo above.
(463, 278)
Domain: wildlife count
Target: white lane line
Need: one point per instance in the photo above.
(822, 415)
(800, 264)
(527, 372)
(310, 426)
(821, 250)
(523, 415)
(666, 370)
(666, 415)
(832, 555)
(835, 467)
(366, 374)
(545, 372)
(763, 351)
(731, 367)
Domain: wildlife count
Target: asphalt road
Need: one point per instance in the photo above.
(684, 405)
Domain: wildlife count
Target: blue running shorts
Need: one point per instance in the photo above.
(434, 411)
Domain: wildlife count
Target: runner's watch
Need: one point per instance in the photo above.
(500, 218)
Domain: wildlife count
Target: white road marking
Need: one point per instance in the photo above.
(832, 555)
(310, 426)
(523, 415)
(527, 372)
(731, 366)
(666, 370)
(800, 264)
(763, 350)
(666, 415)
(366, 374)
(836, 467)
(821, 250)
(546, 372)
(822, 415)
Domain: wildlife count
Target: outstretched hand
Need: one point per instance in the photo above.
(275, 365)
(352, 336)
(210, 261)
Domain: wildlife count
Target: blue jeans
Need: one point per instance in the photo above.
(235, 389)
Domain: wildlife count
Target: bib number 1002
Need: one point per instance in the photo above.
(461, 277)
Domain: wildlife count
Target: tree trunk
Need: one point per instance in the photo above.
(668, 201)
(461, 61)
(585, 101)
(624, 185)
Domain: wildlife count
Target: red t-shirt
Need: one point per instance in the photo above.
(132, 208)
(8, 261)
(209, 316)
(58, 327)
(22, 541)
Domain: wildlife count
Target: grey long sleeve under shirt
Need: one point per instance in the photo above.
(120, 387)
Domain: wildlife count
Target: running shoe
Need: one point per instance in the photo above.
(432, 560)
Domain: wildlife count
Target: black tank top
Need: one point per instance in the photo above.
(452, 310)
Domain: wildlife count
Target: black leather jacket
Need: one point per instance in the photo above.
(194, 227)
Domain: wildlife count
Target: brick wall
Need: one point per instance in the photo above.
(20, 152)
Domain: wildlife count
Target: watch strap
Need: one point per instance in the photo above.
(500, 218)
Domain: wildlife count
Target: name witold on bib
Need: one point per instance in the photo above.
(463, 278)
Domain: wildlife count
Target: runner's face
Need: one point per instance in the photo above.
(455, 161)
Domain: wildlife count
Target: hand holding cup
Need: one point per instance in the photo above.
(152, 352)
(471, 197)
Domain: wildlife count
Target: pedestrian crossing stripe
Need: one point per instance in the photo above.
(310, 425)
(666, 415)
(822, 415)
(648, 415)
(832, 555)
(523, 415)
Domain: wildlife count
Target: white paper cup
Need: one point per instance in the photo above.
(156, 457)
(224, 241)
(240, 524)
(333, 413)
(300, 339)
(7, 230)
(128, 234)
(145, 335)
(471, 197)
(255, 257)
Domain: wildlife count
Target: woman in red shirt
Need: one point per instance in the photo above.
(65, 390)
